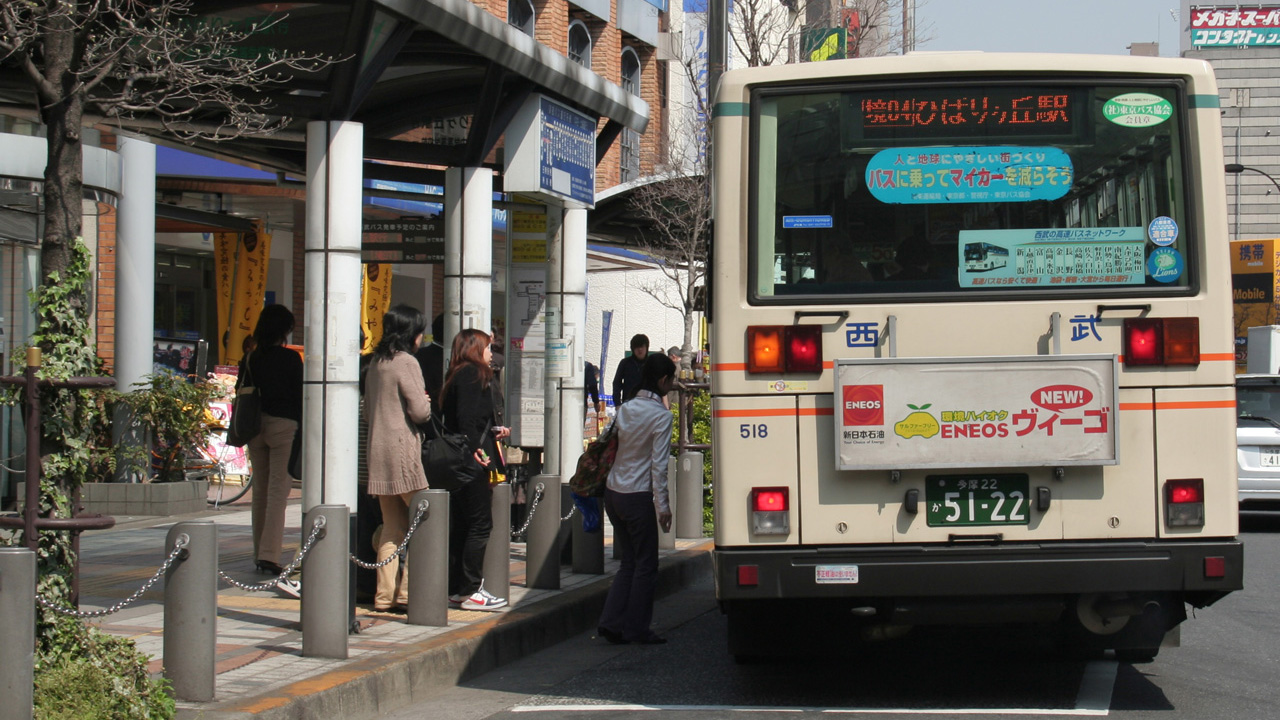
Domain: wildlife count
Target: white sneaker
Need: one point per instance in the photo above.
(482, 600)
(291, 588)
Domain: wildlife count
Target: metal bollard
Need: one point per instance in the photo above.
(497, 554)
(588, 547)
(667, 540)
(324, 584)
(17, 633)
(688, 502)
(191, 610)
(542, 556)
(429, 561)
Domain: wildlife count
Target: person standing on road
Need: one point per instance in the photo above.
(468, 406)
(395, 402)
(636, 502)
(277, 373)
(626, 379)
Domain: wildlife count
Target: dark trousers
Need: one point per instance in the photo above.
(470, 522)
(629, 607)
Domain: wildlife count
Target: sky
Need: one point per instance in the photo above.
(1075, 26)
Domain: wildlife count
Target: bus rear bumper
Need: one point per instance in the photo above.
(1200, 571)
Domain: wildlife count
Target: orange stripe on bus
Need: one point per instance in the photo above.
(1184, 405)
(725, 367)
(775, 412)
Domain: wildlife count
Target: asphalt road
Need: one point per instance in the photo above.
(1227, 668)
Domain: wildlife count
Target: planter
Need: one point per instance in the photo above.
(170, 498)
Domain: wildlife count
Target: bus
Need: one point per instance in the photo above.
(1049, 443)
(980, 257)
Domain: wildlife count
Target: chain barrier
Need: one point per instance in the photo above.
(404, 544)
(179, 552)
(571, 509)
(316, 526)
(533, 507)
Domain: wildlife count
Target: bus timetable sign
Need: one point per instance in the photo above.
(975, 412)
(414, 241)
(552, 153)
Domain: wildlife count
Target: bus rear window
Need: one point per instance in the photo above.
(972, 189)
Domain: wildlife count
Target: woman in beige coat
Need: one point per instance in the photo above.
(395, 402)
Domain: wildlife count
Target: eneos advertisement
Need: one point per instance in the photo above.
(898, 414)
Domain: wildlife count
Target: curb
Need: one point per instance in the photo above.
(387, 682)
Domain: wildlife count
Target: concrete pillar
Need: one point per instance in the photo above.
(468, 251)
(566, 320)
(17, 632)
(331, 316)
(191, 611)
(326, 578)
(135, 280)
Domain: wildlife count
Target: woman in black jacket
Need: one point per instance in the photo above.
(277, 373)
(468, 407)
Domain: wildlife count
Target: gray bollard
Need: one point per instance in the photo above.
(688, 504)
(191, 610)
(429, 561)
(542, 555)
(588, 547)
(324, 583)
(497, 554)
(667, 540)
(17, 632)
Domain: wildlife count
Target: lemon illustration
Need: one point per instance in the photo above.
(917, 423)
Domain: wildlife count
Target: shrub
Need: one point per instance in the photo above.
(86, 674)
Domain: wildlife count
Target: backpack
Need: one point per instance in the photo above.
(593, 466)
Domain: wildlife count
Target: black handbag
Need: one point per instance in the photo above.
(246, 411)
(447, 459)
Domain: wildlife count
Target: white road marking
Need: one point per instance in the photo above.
(1093, 700)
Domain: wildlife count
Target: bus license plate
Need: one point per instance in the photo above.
(993, 499)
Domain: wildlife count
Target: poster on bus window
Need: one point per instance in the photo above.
(1046, 257)
(899, 414)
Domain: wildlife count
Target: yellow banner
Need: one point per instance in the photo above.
(375, 298)
(1255, 288)
(241, 261)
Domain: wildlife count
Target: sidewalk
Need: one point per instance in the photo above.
(260, 669)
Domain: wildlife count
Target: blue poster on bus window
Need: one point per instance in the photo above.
(1046, 257)
(913, 175)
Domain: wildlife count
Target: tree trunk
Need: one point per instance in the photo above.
(63, 186)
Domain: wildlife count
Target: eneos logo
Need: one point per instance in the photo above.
(1061, 397)
(863, 405)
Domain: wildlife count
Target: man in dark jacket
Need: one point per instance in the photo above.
(431, 360)
(626, 379)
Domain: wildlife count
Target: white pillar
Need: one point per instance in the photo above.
(468, 251)
(567, 319)
(331, 316)
(135, 262)
(135, 284)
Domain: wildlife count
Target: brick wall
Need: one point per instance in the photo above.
(105, 287)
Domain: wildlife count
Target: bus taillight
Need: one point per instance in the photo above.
(784, 348)
(764, 349)
(770, 514)
(1184, 502)
(1161, 341)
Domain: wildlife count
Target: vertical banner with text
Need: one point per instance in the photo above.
(241, 261)
(375, 298)
(1253, 290)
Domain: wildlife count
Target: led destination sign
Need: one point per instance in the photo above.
(950, 113)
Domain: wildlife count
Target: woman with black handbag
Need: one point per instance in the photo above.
(276, 372)
(395, 402)
(469, 408)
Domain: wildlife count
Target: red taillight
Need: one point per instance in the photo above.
(770, 514)
(748, 575)
(1161, 341)
(769, 499)
(777, 349)
(804, 348)
(1184, 502)
(1214, 568)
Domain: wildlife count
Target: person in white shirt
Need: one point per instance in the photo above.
(636, 502)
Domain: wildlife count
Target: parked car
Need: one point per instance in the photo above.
(1258, 439)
